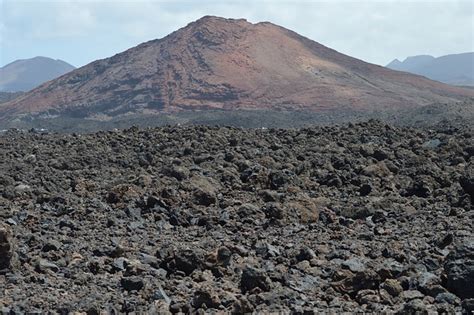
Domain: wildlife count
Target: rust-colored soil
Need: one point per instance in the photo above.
(230, 64)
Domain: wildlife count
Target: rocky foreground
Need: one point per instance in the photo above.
(363, 217)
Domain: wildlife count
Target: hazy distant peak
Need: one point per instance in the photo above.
(415, 62)
(394, 63)
(419, 58)
(455, 69)
(26, 74)
(42, 58)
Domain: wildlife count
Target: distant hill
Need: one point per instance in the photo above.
(457, 69)
(26, 74)
(227, 64)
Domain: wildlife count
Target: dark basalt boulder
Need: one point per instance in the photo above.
(459, 269)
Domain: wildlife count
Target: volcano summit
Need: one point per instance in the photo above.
(229, 64)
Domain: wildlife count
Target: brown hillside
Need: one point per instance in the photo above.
(229, 64)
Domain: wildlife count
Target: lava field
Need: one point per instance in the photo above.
(362, 217)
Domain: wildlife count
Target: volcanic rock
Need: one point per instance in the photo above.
(6, 250)
(253, 278)
(132, 283)
(460, 270)
(392, 286)
(111, 234)
(46, 266)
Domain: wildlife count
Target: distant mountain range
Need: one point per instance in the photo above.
(26, 74)
(456, 69)
(216, 67)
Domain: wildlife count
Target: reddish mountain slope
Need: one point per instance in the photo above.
(229, 64)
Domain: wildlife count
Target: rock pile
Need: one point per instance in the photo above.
(363, 217)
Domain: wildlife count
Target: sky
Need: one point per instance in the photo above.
(376, 31)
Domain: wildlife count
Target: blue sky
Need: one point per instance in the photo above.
(373, 30)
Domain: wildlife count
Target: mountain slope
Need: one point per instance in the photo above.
(456, 69)
(8, 96)
(217, 63)
(26, 74)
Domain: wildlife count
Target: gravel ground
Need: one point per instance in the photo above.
(362, 217)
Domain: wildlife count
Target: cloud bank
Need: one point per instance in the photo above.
(375, 31)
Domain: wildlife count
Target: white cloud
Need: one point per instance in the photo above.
(373, 30)
(44, 20)
(67, 21)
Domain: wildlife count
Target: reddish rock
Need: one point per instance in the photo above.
(217, 63)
